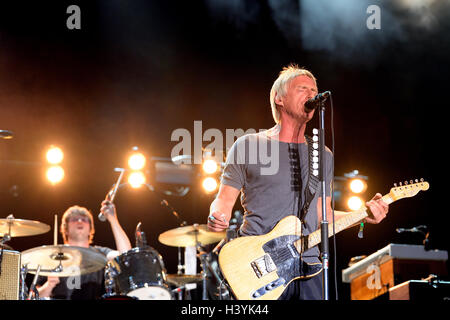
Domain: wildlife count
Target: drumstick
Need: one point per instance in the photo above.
(55, 232)
(113, 194)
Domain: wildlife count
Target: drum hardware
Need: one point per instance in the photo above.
(189, 236)
(22, 285)
(195, 235)
(12, 227)
(34, 293)
(6, 134)
(63, 260)
(180, 267)
(139, 273)
(179, 292)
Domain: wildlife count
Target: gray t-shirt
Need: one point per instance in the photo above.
(269, 186)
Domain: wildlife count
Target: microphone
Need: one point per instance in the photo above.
(141, 240)
(313, 103)
(6, 134)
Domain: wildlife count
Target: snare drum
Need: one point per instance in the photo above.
(138, 273)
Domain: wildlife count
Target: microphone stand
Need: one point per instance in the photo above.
(325, 251)
(164, 202)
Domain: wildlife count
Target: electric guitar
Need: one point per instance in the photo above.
(261, 267)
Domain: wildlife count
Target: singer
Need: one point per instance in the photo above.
(267, 199)
(77, 229)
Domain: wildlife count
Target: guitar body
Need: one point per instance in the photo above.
(261, 267)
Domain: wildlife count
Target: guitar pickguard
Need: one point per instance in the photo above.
(281, 256)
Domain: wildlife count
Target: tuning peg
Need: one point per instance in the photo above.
(410, 182)
(406, 182)
(421, 179)
(395, 185)
(416, 180)
(400, 184)
(315, 131)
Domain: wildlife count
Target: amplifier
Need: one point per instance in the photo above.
(9, 275)
(421, 290)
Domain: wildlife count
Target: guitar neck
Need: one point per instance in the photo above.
(348, 220)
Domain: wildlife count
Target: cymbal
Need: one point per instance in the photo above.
(180, 280)
(63, 260)
(189, 235)
(20, 227)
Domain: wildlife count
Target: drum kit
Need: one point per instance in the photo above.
(136, 274)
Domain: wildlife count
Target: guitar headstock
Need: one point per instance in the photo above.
(407, 190)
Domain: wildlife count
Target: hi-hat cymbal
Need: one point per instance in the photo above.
(21, 228)
(189, 236)
(180, 280)
(63, 260)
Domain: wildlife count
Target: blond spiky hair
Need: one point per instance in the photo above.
(279, 86)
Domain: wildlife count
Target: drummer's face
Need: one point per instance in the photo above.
(78, 226)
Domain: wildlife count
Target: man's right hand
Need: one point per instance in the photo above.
(52, 281)
(46, 289)
(217, 221)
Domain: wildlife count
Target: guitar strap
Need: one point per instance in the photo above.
(313, 181)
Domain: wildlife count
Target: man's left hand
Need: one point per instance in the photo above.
(378, 208)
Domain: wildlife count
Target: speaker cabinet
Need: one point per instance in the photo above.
(9, 275)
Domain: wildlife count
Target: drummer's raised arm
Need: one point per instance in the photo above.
(123, 244)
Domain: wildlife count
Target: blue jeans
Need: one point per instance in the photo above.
(309, 289)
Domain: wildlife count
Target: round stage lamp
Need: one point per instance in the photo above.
(209, 184)
(54, 155)
(358, 185)
(55, 174)
(355, 203)
(136, 179)
(210, 166)
(136, 161)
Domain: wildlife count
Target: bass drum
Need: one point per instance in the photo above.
(138, 273)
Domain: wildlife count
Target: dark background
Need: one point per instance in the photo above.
(138, 70)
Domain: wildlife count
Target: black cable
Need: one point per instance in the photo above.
(332, 197)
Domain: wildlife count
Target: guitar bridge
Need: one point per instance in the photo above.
(263, 266)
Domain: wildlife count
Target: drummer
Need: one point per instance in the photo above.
(77, 228)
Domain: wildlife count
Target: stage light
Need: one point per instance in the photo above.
(355, 203)
(209, 184)
(55, 174)
(136, 179)
(54, 155)
(210, 166)
(358, 185)
(136, 161)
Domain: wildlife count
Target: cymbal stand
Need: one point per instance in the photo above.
(23, 285)
(33, 291)
(202, 257)
(6, 238)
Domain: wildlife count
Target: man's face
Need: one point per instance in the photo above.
(78, 228)
(298, 91)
